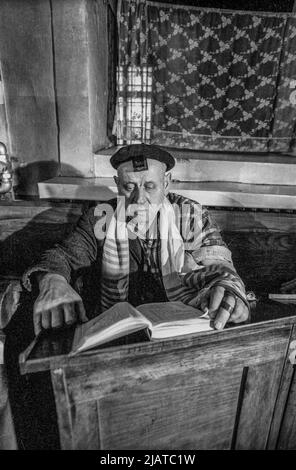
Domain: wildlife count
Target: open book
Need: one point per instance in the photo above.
(160, 320)
(283, 298)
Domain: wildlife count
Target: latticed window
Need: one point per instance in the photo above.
(134, 105)
(206, 79)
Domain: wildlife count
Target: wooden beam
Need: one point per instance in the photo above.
(207, 193)
(81, 65)
(209, 166)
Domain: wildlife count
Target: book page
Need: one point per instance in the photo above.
(118, 312)
(117, 321)
(163, 312)
(170, 319)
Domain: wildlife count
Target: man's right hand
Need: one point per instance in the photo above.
(57, 303)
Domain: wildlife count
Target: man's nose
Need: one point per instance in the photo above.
(140, 197)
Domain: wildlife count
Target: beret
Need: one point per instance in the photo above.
(138, 153)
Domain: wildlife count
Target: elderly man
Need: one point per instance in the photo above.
(148, 245)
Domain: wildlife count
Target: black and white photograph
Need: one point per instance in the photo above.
(148, 229)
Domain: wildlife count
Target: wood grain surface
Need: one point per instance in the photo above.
(180, 393)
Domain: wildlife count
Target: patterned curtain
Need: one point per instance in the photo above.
(206, 79)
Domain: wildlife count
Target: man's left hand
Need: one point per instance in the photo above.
(226, 307)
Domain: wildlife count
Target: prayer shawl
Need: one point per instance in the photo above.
(183, 278)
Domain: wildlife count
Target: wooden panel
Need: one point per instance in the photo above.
(260, 172)
(71, 48)
(85, 426)
(79, 42)
(52, 350)
(192, 165)
(27, 68)
(63, 409)
(199, 417)
(161, 364)
(175, 398)
(96, 23)
(76, 188)
(238, 194)
(7, 432)
(78, 423)
(287, 438)
(264, 259)
(235, 220)
(259, 398)
(287, 396)
(226, 194)
(283, 393)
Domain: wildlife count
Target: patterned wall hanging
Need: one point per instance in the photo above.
(206, 79)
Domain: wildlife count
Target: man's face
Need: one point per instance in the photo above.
(145, 189)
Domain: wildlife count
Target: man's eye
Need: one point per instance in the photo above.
(129, 187)
(149, 186)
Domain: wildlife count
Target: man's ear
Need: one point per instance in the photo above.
(116, 179)
(167, 181)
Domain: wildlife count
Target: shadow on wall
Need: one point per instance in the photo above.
(27, 230)
(27, 177)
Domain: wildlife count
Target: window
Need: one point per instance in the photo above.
(134, 105)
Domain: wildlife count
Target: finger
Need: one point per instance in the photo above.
(70, 316)
(204, 305)
(46, 319)
(241, 319)
(57, 317)
(226, 308)
(81, 313)
(216, 297)
(37, 323)
(240, 312)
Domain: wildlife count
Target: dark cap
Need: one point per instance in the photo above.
(138, 153)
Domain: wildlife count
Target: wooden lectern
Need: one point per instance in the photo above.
(230, 389)
(7, 433)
